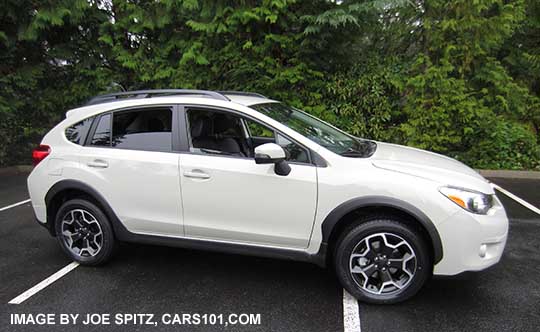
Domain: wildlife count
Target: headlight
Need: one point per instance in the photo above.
(472, 201)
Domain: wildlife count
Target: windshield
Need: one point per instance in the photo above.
(316, 130)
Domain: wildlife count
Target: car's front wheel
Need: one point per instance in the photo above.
(381, 259)
(84, 232)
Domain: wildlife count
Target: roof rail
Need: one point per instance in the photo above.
(241, 93)
(153, 93)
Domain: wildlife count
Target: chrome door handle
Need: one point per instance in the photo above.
(196, 174)
(98, 163)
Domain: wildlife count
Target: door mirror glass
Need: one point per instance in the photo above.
(271, 153)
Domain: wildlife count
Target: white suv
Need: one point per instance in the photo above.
(238, 172)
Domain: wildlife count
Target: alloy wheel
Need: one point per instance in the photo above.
(81, 233)
(383, 263)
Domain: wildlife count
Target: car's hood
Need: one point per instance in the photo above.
(428, 165)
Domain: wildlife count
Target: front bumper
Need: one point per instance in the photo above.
(472, 242)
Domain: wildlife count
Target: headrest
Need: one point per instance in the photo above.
(155, 125)
(224, 124)
(202, 126)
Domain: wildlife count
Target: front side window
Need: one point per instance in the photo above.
(218, 133)
(77, 133)
(147, 130)
(293, 151)
(260, 134)
(221, 133)
(316, 130)
(258, 130)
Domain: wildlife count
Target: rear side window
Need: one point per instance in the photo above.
(147, 129)
(77, 133)
(102, 134)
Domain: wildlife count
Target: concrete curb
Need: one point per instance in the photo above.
(531, 175)
(15, 170)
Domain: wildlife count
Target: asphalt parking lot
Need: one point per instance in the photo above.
(289, 296)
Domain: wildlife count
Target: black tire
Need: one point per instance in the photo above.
(369, 226)
(106, 240)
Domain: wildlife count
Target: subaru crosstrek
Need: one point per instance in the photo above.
(238, 172)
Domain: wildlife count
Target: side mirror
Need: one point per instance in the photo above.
(271, 153)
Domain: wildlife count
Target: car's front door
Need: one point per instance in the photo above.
(228, 197)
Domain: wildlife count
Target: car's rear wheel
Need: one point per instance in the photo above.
(381, 260)
(84, 232)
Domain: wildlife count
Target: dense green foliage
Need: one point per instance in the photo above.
(458, 77)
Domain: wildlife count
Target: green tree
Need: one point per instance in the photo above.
(459, 93)
(245, 45)
(48, 63)
(458, 77)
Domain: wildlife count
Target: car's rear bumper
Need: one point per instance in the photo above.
(472, 242)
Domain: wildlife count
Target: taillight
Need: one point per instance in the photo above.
(40, 153)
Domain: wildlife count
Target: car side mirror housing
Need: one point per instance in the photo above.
(271, 153)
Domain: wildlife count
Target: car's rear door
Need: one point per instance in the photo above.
(129, 159)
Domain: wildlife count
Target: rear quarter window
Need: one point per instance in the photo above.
(102, 134)
(77, 133)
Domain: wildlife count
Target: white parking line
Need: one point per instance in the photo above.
(351, 315)
(59, 274)
(14, 205)
(517, 199)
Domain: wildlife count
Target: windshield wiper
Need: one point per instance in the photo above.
(352, 154)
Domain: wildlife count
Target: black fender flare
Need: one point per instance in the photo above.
(333, 218)
(62, 185)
